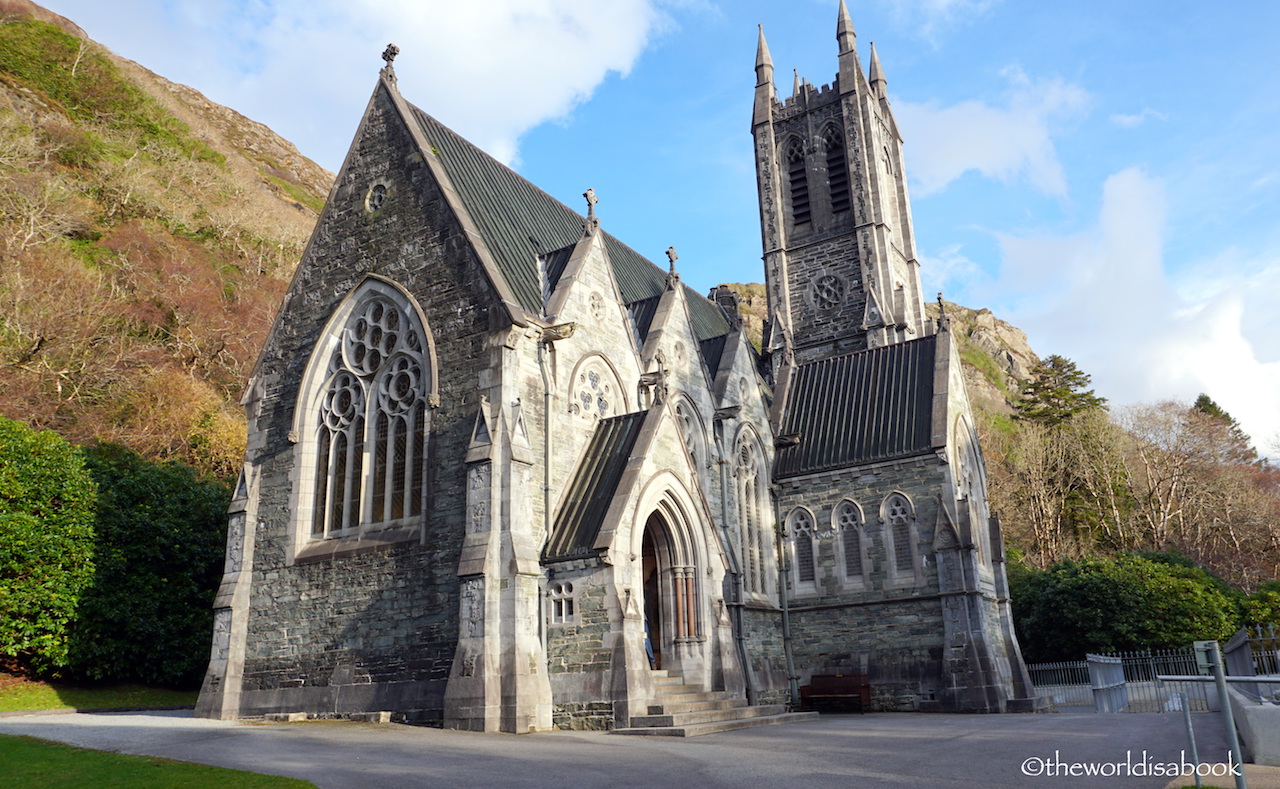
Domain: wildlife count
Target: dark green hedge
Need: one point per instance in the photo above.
(1124, 603)
(161, 534)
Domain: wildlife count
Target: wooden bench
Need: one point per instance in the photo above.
(836, 693)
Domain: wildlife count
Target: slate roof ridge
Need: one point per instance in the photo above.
(883, 349)
(544, 225)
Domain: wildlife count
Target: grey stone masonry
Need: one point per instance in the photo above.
(502, 470)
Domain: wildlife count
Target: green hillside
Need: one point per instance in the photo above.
(147, 236)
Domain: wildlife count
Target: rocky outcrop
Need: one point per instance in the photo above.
(997, 358)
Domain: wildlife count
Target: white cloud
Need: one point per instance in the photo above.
(1133, 121)
(951, 272)
(490, 69)
(1008, 142)
(1103, 298)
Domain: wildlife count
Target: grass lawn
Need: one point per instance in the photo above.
(36, 695)
(37, 764)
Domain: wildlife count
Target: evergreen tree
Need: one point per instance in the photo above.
(1056, 391)
(1240, 449)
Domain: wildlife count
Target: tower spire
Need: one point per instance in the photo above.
(876, 77)
(795, 85)
(844, 31)
(764, 63)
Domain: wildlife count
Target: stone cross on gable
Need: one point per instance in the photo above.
(672, 276)
(388, 71)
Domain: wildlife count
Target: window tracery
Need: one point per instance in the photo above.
(595, 393)
(847, 521)
(899, 519)
(369, 435)
(753, 536)
(800, 526)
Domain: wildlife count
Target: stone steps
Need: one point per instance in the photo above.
(707, 716)
(698, 729)
(683, 711)
(673, 707)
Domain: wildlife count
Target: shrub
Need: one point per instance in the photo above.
(1106, 605)
(161, 533)
(46, 543)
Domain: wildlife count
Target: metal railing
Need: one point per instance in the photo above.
(1254, 653)
(1106, 680)
(1069, 686)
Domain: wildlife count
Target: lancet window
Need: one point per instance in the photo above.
(798, 179)
(754, 534)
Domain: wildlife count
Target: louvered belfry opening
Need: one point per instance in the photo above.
(798, 178)
(837, 171)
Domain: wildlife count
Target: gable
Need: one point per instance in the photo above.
(519, 222)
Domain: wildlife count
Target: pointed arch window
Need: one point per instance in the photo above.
(755, 542)
(837, 170)
(804, 560)
(365, 417)
(890, 192)
(846, 522)
(798, 181)
(899, 519)
(691, 432)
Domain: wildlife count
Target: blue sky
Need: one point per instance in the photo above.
(1104, 175)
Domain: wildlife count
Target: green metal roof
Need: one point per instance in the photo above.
(596, 480)
(518, 222)
(860, 408)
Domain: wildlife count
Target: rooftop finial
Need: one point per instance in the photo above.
(795, 86)
(845, 36)
(876, 76)
(672, 276)
(764, 63)
(389, 54)
(593, 221)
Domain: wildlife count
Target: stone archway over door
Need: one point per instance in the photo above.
(671, 596)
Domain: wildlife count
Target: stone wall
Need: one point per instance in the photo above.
(888, 623)
(375, 629)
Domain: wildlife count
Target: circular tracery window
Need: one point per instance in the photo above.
(594, 396)
(373, 337)
(828, 291)
(376, 197)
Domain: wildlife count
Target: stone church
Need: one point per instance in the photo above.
(504, 473)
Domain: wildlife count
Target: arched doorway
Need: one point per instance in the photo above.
(669, 584)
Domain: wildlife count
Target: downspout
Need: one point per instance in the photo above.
(793, 681)
(546, 491)
(548, 336)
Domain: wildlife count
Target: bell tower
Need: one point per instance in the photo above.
(835, 219)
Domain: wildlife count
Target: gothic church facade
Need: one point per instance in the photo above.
(506, 474)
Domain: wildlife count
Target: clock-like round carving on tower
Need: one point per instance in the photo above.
(828, 291)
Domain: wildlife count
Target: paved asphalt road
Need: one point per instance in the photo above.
(874, 750)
